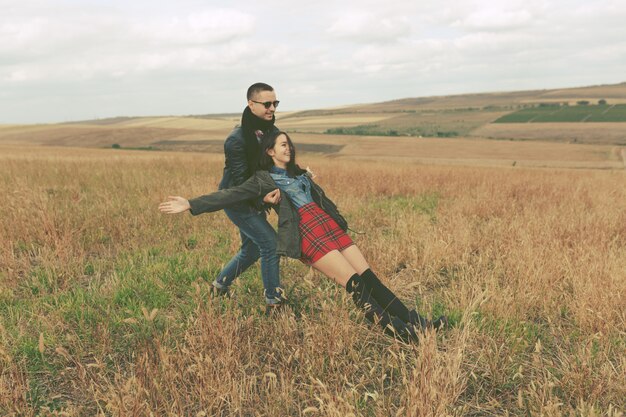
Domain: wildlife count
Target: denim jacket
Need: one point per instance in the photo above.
(298, 188)
(258, 185)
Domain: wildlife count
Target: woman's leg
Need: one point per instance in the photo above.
(334, 265)
(354, 256)
(383, 295)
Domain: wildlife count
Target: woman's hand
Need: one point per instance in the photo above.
(273, 197)
(174, 204)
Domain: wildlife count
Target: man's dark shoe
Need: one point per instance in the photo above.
(273, 309)
(275, 303)
(220, 290)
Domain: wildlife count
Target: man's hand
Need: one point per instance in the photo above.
(175, 205)
(273, 197)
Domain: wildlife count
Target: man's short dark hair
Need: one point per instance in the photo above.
(256, 88)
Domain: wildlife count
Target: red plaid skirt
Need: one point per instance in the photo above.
(319, 234)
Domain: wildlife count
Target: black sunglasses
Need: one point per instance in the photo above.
(267, 104)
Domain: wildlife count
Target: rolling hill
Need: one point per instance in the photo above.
(423, 129)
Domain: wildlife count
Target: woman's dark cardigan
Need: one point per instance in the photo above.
(259, 185)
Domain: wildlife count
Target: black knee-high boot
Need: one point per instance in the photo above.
(374, 313)
(389, 302)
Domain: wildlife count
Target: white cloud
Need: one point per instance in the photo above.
(89, 57)
(365, 27)
(504, 44)
(203, 27)
(494, 19)
(75, 45)
(414, 56)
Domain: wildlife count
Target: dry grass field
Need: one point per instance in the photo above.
(614, 93)
(456, 151)
(126, 131)
(470, 151)
(457, 116)
(596, 133)
(104, 305)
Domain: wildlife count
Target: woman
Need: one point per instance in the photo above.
(311, 229)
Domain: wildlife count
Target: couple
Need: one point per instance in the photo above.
(261, 170)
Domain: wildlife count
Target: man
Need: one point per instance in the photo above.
(258, 237)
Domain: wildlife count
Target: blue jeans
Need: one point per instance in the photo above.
(258, 239)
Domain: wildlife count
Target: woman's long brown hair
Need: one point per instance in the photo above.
(266, 162)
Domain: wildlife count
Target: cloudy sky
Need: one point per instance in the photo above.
(63, 60)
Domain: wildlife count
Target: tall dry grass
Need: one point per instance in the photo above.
(104, 306)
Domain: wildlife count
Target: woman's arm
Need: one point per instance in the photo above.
(174, 204)
(215, 201)
(225, 198)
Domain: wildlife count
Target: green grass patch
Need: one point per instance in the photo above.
(425, 204)
(38, 397)
(135, 148)
(362, 130)
(567, 114)
(376, 130)
(528, 332)
(79, 308)
(434, 123)
(440, 308)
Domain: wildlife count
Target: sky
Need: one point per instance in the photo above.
(67, 60)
